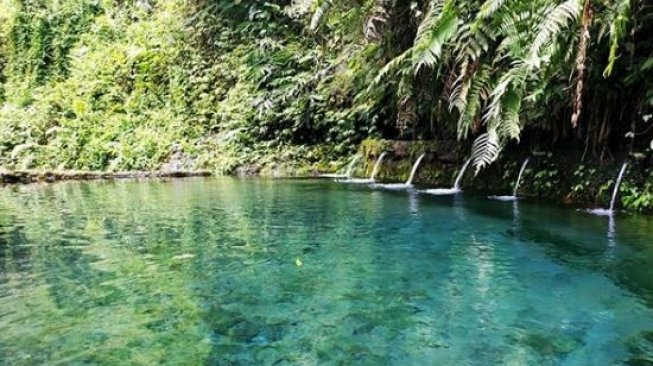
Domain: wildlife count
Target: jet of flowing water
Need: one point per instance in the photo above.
(350, 168)
(456, 187)
(409, 182)
(616, 187)
(459, 179)
(521, 173)
(377, 166)
(609, 211)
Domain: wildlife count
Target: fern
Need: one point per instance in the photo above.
(552, 25)
(436, 30)
(493, 110)
(430, 19)
(490, 7)
(460, 88)
(486, 150)
(510, 126)
(617, 30)
(477, 92)
(471, 41)
(393, 66)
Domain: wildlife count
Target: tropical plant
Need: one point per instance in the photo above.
(117, 85)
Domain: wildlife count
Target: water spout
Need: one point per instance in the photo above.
(521, 173)
(350, 168)
(609, 211)
(377, 166)
(348, 172)
(617, 185)
(516, 187)
(459, 179)
(409, 182)
(456, 187)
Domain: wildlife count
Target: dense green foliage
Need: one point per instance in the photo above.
(219, 84)
(132, 85)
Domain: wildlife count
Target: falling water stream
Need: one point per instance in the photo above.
(516, 188)
(375, 171)
(377, 166)
(459, 179)
(456, 187)
(617, 185)
(409, 182)
(350, 169)
(615, 192)
(348, 173)
(521, 173)
(411, 178)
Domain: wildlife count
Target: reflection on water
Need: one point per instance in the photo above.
(229, 272)
(413, 203)
(611, 230)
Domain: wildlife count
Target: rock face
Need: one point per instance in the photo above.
(33, 176)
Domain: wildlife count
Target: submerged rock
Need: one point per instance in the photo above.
(184, 256)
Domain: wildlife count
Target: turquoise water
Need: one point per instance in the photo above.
(263, 272)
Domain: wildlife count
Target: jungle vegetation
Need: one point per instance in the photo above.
(131, 84)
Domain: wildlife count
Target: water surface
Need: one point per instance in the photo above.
(243, 272)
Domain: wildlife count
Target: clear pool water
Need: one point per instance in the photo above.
(300, 272)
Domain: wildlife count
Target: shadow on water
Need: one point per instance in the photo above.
(614, 245)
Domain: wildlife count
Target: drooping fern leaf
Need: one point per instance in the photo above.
(490, 7)
(486, 150)
(476, 94)
(471, 41)
(617, 30)
(438, 27)
(393, 66)
(552, 25)
(510, 125)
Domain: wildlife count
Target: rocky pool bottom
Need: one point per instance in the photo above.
(223, 271)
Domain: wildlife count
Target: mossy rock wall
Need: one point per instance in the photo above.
(558, 175)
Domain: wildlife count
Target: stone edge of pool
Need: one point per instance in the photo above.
(36, 176)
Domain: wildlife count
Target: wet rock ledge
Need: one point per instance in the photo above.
(34, 176)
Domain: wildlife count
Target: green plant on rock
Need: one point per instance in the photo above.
(545, 182)
(637, 196)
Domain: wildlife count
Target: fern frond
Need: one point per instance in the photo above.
(460, 88)
(393, 66)
(476, 94)
(486, 150)
(429, 20)
(436, 30)
(513, 78)
(471, 41)
(490, 7)
(516, 31)
(510, 125)
(617, 30)
(552, 25)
